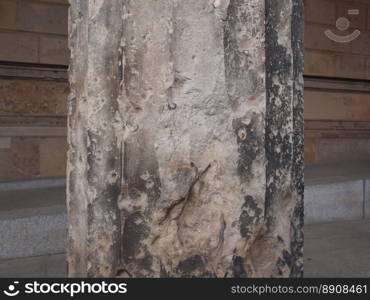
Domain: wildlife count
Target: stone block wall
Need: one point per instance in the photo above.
(33, 33)
(337, 114)
(324, 57)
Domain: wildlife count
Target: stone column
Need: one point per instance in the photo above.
(186, 138)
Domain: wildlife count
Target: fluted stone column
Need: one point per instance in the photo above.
(185, 138)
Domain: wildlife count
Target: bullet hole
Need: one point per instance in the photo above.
(278, 148)
(149, 184)
(113, 178)
(172, 106)
(145, 176)
(242, 134)
(132, 127)
(98, 155)
(249, 144)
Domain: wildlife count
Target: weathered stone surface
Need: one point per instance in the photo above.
(284, 137)
(173, 118)
(94, 155)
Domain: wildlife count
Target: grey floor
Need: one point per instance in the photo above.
(331, 250)
(20, 203)
(32, 226)
(46, 266)
(340, 249)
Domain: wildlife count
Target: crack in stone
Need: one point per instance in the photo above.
(184, 200)
(221, 235)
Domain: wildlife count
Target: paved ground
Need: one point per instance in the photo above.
(340, 249)
(21, 203)
(337, 249)
(47, 266)
(331, 250)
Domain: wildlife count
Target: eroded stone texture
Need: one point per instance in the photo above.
(170, 141)
(94, 158)
(284, 135)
